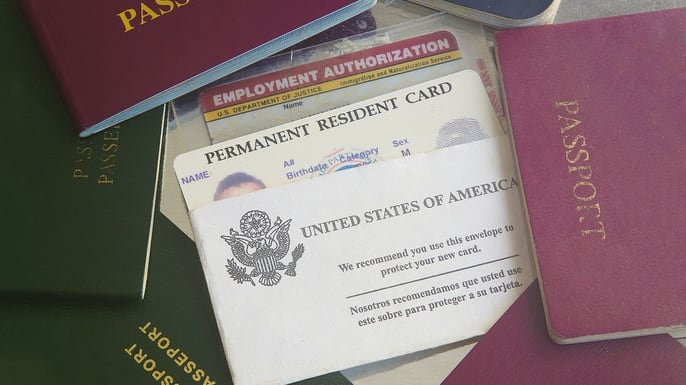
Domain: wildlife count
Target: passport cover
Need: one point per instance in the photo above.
(517, 350)
(77, 212)
(597, 110)
(116, 58)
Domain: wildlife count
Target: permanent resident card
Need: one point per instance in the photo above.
(443, 112)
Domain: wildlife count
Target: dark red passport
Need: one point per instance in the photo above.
(597, 110)
(116, 58)
(517, 350)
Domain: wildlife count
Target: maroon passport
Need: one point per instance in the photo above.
(598, 111)
(517, 350)
(116, 58)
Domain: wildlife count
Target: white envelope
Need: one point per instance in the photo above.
(367, 264)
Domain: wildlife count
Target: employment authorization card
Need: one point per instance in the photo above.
(422, 246)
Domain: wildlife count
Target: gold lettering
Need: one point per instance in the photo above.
(104, 179)
(584, 190)
(571, 106)
(130, 349)
(198, 375)
(110, 147)
(157, 374)
(79, 174)
(162, 3)
(578, 156)
(585, 171)
(600, 231)
(175, 354)
(576, 140)
(190, 366)
(181, 359)
(569, 123)
(126, 17)
(171, 353)
(149, 365)
(586, 198)
(111, 134)
(147, 12)
(145, 327)
(154, 334)
(140, 356)
(163, 343)
(584, 208)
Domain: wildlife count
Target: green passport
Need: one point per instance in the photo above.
(77, 212)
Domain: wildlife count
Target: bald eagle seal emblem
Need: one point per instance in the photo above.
(260, 246)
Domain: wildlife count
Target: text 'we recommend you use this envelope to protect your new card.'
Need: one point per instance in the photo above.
(369, 263)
